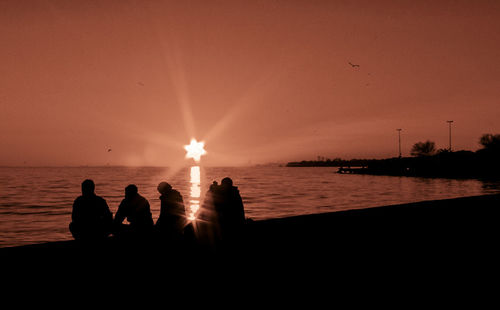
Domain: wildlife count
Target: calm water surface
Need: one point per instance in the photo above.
(35, 203)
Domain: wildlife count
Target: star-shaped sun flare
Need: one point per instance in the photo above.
(195, 150)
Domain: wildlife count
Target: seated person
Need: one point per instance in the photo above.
(136, 210)
(172, 219)
(229, 212)
(91, 218)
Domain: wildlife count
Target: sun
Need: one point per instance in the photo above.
(195, 150)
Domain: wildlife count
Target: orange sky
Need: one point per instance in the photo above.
(259, 81)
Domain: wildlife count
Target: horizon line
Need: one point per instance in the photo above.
(121, 166)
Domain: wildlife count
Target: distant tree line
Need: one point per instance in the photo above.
(327, 162)
(490, 143)
(423, 148)
(427, 161)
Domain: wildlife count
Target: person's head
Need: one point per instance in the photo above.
(226, 182)
(131, 191)
(164, 187)
(213, 186)
(88, 187)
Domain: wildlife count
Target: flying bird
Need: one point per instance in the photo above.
(353, 65)
(109, 150)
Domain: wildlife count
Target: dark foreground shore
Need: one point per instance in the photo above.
(421, 228)
(430, 244)
(414, 251)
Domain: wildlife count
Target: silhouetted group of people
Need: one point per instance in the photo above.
(220, 220)
(222, 217)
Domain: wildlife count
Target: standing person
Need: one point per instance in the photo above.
(172, 220)
(137, 211)
(91, 218)
(230, 212)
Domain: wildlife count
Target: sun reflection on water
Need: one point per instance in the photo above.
(194, 201)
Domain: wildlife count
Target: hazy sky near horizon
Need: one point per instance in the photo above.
(258, 81)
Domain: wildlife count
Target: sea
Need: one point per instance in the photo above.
(36, 202)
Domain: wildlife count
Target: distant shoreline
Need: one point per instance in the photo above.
(460, 164)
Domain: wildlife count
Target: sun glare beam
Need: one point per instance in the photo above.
(250, 99)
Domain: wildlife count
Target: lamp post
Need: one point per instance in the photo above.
(449, 125)
(399, 139)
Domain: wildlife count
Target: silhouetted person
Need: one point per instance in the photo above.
(207, 211)
(136, 210)
(207, 221)
(228, 207)
(91, 218)
(172, 219)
